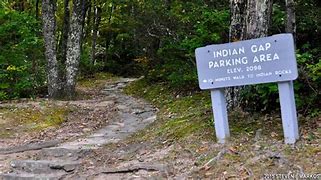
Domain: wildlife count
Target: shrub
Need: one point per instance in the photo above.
(21, 60)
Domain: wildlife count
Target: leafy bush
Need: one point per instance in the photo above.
(176, 63)
(22, 69)
(178, 74)
(307, 88)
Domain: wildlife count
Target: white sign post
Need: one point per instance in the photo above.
(288, 112)
(263, 60)
(220, 114)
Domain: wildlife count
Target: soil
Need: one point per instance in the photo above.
(108, 116)
(109, 135)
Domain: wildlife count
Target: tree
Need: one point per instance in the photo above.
(238, 20)
(74, 47)
(96, 22)
(290, 14)
(249, 19)
(238, 9)
(49, 31)
(258, 18)
(69, 47)
(64, 39)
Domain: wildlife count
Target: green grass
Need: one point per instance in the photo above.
(98, 80)
(187, 120)
(19, 120)
(179, 116)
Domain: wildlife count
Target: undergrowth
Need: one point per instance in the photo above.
(179, 116)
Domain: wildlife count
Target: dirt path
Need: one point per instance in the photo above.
(64, 159)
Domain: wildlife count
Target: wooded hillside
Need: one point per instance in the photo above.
(45, 46)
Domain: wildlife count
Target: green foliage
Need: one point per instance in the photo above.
(308, 85)
(307, 89)
(178, 73)
(156, 39)
(198, 25)
(278, 19)
(21, 67)
(86, 66)
(260, 98)
(179, 116)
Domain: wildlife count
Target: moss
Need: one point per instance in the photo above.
(4, 134)
(159, 94)
(180, 128)
(98, 80)
(51, 118)
(179, 116)
(18, 120)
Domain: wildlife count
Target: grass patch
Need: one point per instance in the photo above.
(89, 87)
(98, 80)
(18, 120)
(179, 116)
(256, 145)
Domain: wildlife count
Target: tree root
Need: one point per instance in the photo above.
(29, 147)
(135, 168)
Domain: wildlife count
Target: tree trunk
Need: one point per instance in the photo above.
(88, 23)
(97, 13)
(63, 41)
(238, 20)
(249, 19)
(258, 18)
(237, 33)
(258, 22)
(49, 30)
(73, 48)
(109, 36)
(37, 9)
(85, 7)
(290, 21)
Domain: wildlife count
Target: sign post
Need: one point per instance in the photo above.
(263, 60)
(220, 114)
(288, 112)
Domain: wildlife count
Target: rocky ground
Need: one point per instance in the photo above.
(105, 134)
(56, 153)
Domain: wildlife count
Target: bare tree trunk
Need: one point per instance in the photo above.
(237, 33)
(49, 30)
(249, 19)
(97, 18)
(290, 23)
(238, 20)
(63, 42)
(88, 23)
(73, 48)
(85, 6)
(258, 22)
(110, 35)
(258, 18)
(37, 9)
